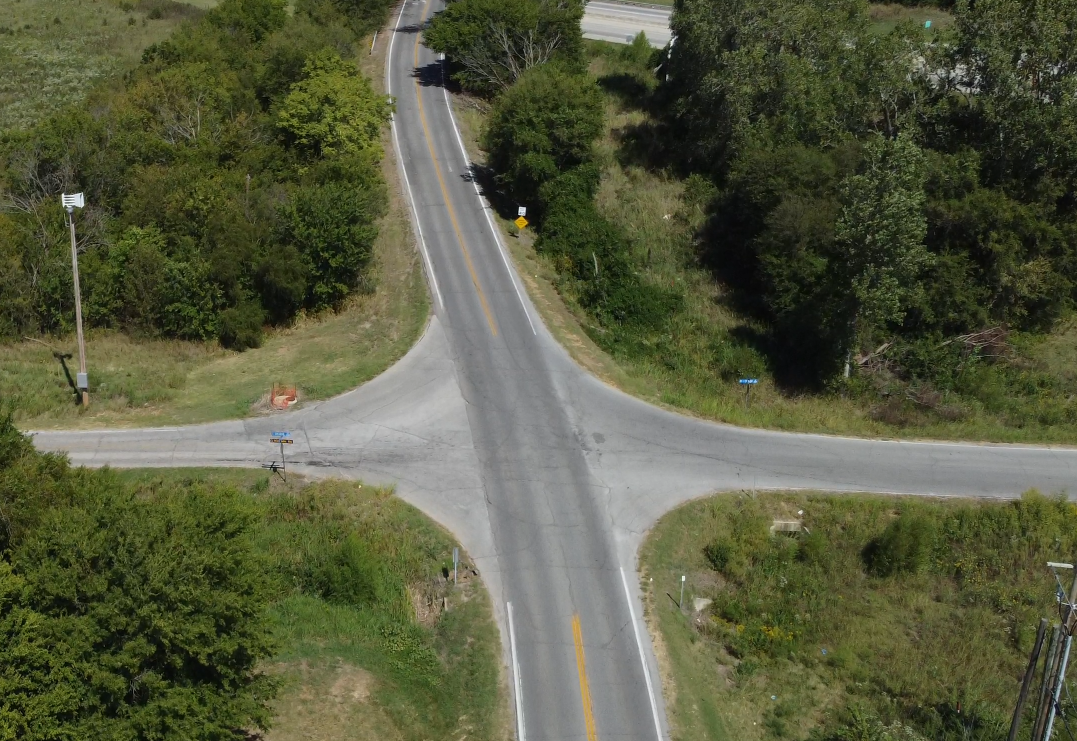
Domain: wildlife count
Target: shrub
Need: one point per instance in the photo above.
(903, 548)
(281, 279)
(543, 125)
(346, 572)
(190, 301)
(576, 186)
(814, 549)
(241, 326)
(718, 554)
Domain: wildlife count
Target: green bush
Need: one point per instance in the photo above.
(345, 571)
(281, 280)
(814, 549)
(904, 547)
(241, 326)
(543, 125)
(718, 554)
(190, 301)
(124, 615)
(575, 186)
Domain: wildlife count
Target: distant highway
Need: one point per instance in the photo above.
(620, 22)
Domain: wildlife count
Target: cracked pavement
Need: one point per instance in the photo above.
(547, 476)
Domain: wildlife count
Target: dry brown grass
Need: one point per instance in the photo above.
(327, 700)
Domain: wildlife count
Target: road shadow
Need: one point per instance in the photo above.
(431, 75)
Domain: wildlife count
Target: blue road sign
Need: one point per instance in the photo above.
(280, 434)
(748, 380)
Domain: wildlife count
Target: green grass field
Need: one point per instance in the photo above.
(54, 51)
(886, 16)
(420, 661)
(802, 636)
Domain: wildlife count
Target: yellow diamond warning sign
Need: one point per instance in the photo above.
(521, 222)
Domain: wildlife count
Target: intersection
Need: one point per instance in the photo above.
(547, 476)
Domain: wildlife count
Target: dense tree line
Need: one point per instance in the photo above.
(232, 179)
(882, 188)
(125, 616)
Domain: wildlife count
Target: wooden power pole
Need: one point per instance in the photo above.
(71, 202)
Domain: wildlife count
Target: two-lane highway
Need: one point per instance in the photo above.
(579, 664)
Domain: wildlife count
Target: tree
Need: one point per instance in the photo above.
(879, 234)
(1011, 88)
(839, 253)
(543, 125)
(761, 73)
(334, 227)
(249, 21)
(334, 110)
(125, 616)
(185, 163)
(493, 42)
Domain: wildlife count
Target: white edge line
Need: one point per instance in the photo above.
(642, 658)
(516, 678)
(400, 161)
(482, 202)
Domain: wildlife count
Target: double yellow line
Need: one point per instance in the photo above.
(585, 690)
(445, 191)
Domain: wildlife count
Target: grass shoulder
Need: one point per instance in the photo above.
(811, 634)
(373, 640)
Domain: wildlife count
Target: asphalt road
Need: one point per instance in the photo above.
(620, 22)
(548, 477)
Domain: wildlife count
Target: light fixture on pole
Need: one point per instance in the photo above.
(70, 203)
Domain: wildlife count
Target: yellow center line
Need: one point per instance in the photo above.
(445, 191)
(585, 690)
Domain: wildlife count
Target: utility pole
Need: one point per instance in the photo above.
(1068, 614)
(1030, 672)
(71, 202)
(1045, 684)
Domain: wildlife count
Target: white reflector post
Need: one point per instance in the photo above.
(73, 200)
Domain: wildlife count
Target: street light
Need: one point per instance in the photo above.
(71, 202)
